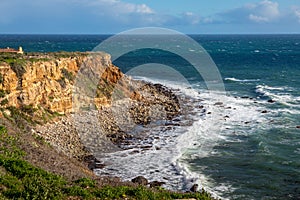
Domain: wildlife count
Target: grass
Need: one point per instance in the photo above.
(21, 180)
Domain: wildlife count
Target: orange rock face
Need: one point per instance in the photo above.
(50, 83)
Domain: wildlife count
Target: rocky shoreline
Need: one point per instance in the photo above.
(125, 125)
(158, 104)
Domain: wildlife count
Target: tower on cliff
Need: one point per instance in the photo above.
(20, 50)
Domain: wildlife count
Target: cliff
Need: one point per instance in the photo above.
(36, 88)
(38, 133)
(46, 81)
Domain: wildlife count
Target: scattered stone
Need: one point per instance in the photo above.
(140, 180)
(156, 184)
(218, 103)
(264, 111)
(246, 122)
(194, 188)
(134, 152)
(209, 113)
(271, 101)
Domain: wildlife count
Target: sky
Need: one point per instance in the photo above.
(114, 16)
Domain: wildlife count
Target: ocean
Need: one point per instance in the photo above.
(253, 154)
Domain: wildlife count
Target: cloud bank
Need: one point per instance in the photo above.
(115, 15)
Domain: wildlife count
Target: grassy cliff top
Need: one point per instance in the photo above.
(14, 58)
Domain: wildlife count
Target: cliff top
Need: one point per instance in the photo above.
(6, 57)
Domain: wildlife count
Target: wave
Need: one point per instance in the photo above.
(279, 94)
(240, 80)
(222, 119)
(266, 87)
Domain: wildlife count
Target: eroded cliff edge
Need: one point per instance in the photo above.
(37, 94)
(46, 80)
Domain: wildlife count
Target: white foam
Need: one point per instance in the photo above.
(266, 87)
(240, 80)
(279, 94)
(175, 144)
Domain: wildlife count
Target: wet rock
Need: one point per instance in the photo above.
(271, 101)
(194, 188)
(298, 126)
(156, 184)
(218, 103)
(209, 113)
(140, 180)
(264, 111)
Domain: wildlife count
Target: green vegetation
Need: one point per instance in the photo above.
(65, 54)
(12, 58)
(1, 79)
(104, 89)
(4, 102)
(2, 93)
(27, 115)
(68, 75)
(21, 117)
(21, 180)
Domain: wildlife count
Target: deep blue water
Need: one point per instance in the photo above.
(256, 160)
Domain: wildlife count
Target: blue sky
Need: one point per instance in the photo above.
(113, 16)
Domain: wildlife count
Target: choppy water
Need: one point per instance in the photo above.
(255, 152)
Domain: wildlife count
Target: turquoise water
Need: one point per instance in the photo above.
(258, 155)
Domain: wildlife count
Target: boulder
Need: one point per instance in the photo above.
(140, 180)
(194, 188)
(156, 184)
(218, 103)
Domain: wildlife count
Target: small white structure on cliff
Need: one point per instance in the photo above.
(11, 50)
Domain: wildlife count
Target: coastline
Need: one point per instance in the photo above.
(64, 139)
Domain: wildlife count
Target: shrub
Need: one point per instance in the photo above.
(29, 109)
(1, 79)
(68, 75)
(4, 102)
(18, 68)
(2, 93)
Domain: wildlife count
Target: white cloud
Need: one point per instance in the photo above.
(296, 12)
(190, 18)
(258, 18)
(261, 12)
(143, 9)
(264, 11)
(119, 7)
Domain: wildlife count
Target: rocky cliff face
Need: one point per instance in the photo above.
(32, 87)
(47, 81)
